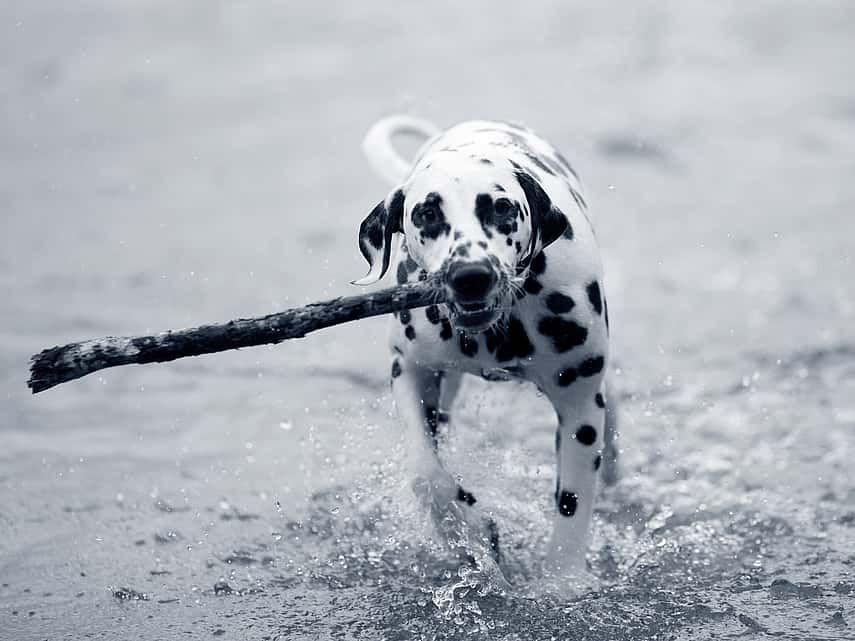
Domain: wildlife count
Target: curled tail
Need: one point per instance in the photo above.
(381, 154)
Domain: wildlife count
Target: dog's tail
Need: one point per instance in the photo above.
(381, 154)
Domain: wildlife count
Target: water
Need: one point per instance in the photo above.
(165, 167)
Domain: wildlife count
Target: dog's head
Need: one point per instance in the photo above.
(477, 229)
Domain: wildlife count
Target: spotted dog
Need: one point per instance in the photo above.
(498, 214)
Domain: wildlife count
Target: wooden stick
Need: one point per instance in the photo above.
(68, 362)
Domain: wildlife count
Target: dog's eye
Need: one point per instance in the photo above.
(425, 215)
(503, 206)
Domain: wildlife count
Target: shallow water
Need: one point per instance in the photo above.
(164, 167)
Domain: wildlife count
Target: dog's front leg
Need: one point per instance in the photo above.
(416, 391)
(578, 444)
(417, 396)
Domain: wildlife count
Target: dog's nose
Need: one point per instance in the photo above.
(472, 281)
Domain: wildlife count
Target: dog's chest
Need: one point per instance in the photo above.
(506, 351)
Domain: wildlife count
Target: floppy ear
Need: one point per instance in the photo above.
(376, 235)
(547, 221)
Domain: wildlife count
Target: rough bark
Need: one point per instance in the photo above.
(68, 362)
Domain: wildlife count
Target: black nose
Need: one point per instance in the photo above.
(472, 281)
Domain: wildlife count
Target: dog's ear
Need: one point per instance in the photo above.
(376, 235)
(548, 222)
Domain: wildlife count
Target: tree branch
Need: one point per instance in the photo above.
(68, 362)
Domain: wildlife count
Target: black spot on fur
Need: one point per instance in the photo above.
(410, 332)
(538, 263)
(429, 218)
(396, 368)
(468, 345)
(484, 209)
(559, 303)
(591, 366)
(586, 435)
(509, 241)
(405, 316)
(446, 332)
(565, 334)
(458, 235)
(599, 400)
(593, 290)
(498, 214)
(512, 343)
(567, 503)
(532, 285)
(486, 161)
(442, 417)
(410, 264)
(597, 462)
(465, 497)
(567, 376)
(606, 309)
(499, 188)
(558, 440)
(432, 314)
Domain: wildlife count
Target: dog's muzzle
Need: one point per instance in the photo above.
(473, 294)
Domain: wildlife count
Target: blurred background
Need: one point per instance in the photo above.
(169, 164)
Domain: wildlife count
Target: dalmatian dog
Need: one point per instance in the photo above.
(497, 214)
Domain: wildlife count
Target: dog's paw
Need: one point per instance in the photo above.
(563, 585)
(482, 536)
(565, 574)
(436, 494)
(457, 519)
(569, 585)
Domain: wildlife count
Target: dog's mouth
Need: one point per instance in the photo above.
(474, 317)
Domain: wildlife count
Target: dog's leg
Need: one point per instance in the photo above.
(579, 442)
(417, 396)
(450, 385)
(416, 391)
